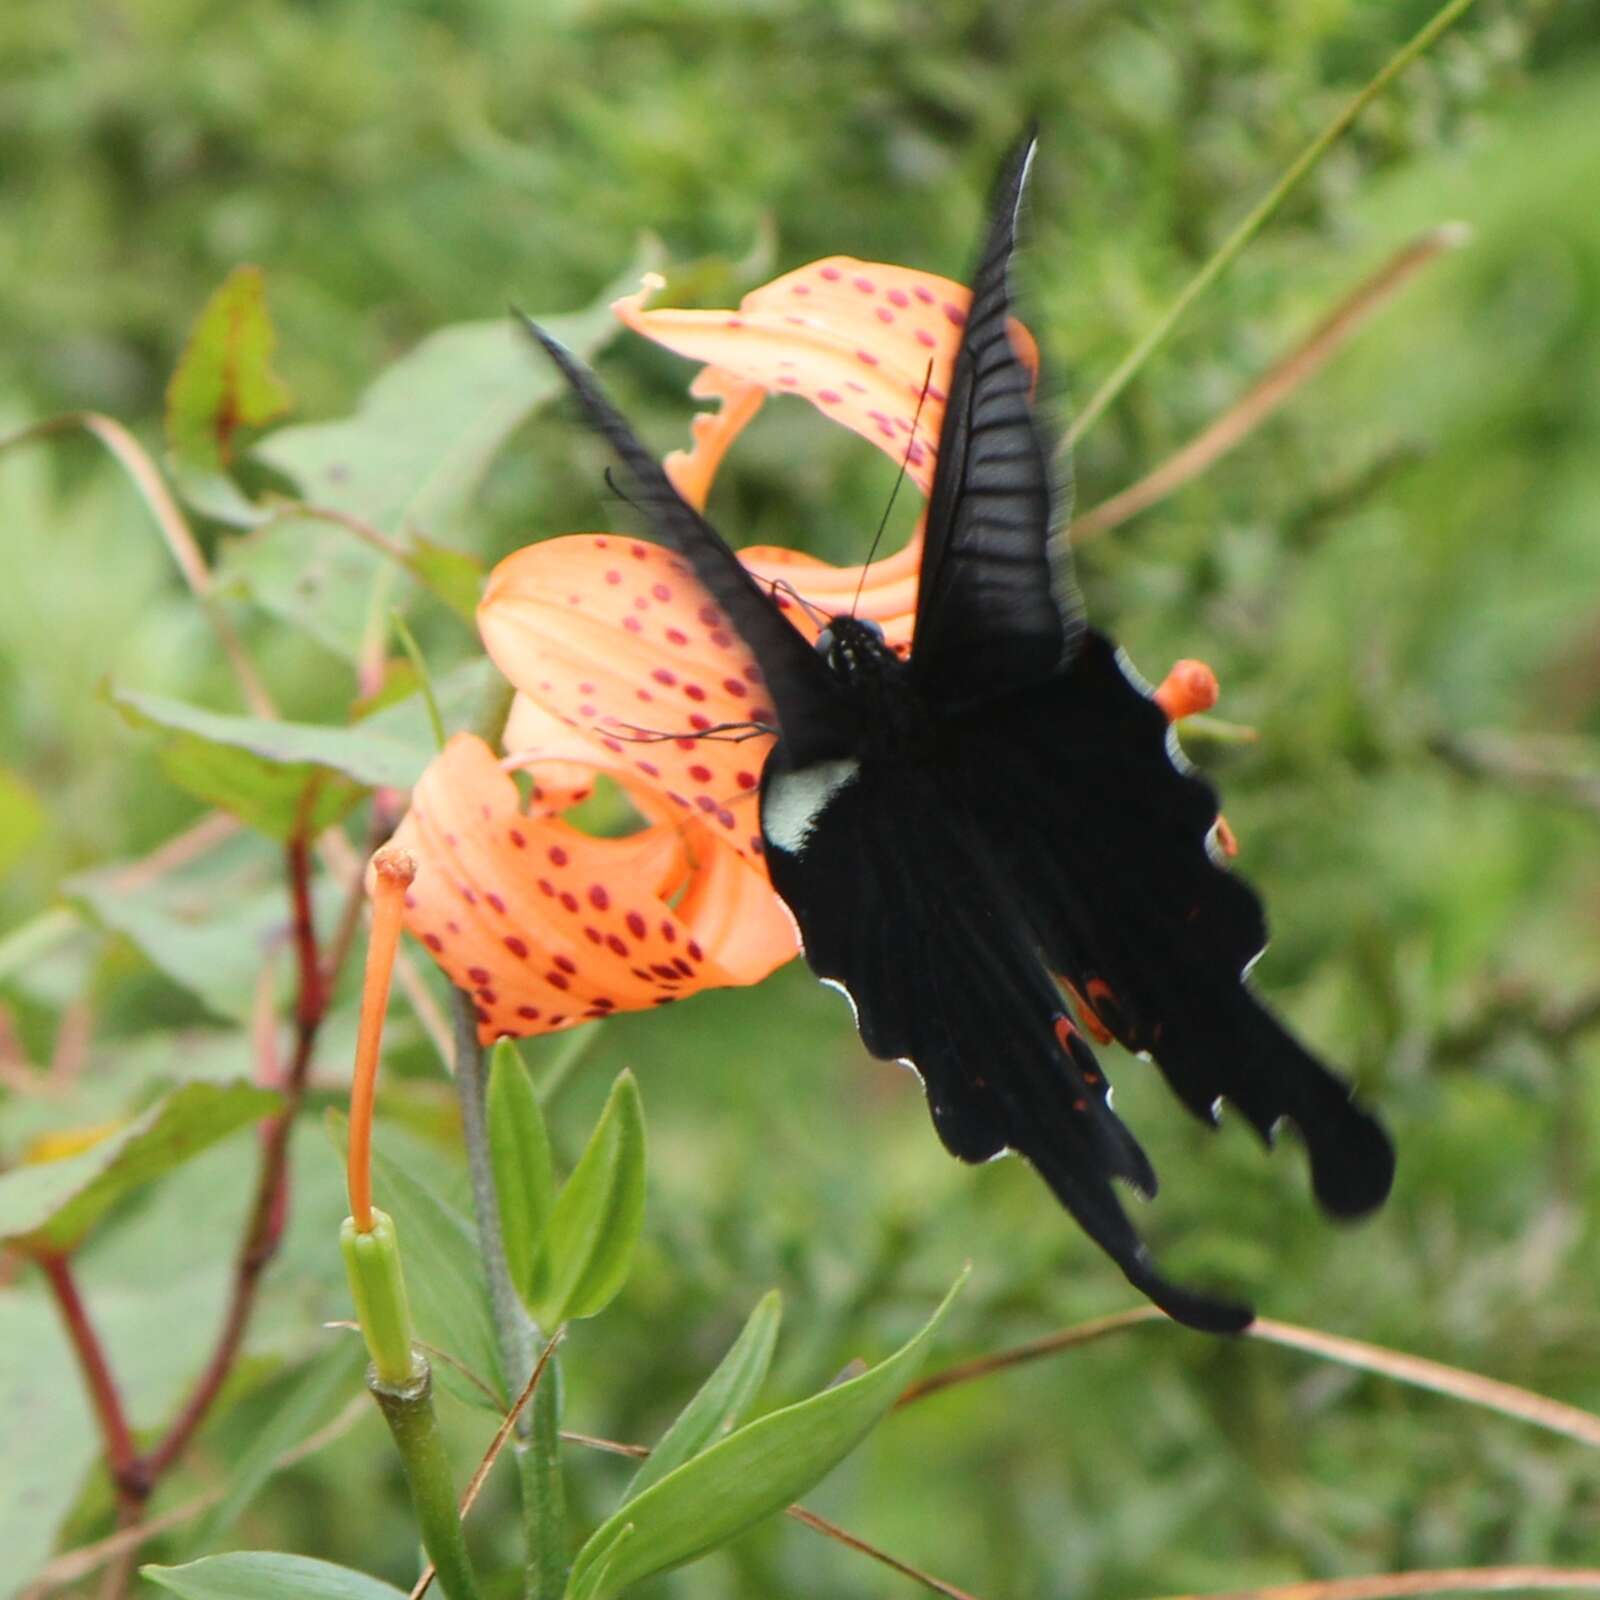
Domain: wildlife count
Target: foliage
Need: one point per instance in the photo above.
(1396, 578)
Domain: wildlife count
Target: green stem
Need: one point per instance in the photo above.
(538, 1437)
(544, 1496)
(1233, 246)
(410, 1415)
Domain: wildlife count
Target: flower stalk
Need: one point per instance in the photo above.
(536, 1445)
(408, 1409)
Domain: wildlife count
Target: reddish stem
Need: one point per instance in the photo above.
(104, 1397)
(264, 1229)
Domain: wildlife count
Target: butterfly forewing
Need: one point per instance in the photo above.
(996, 607)
(811, 712)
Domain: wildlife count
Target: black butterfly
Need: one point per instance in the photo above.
(956, 831)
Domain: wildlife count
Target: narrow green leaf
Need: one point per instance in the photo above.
(268, 1575)
(587, 1247)
(52, 1205)
(722, 1400)
(594, 1576)
(750, 1475)
(261, 770)
(224, 379)
(519, 1150)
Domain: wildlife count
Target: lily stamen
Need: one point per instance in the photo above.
(393, 871)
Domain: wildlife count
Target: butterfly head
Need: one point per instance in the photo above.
(855, 649)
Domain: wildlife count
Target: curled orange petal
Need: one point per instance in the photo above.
(866, 342)
(615, 638)
(546, 926)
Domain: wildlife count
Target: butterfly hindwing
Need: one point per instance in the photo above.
(900, 904)
(1074, 786)
(996, 607)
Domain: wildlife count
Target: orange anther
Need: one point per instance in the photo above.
(1191, 686)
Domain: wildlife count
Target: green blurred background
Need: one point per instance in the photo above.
(1406, 560)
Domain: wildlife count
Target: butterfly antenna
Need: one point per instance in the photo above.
(899, 478)
(783, 586)
(621, 493)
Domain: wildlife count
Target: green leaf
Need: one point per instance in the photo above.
(262, 770)
(444, 1277)
(52, 1205)
(587, 1247)
(224, 379)
(268, 1575)
(426, 430)
(750, 1475)
(311, 1399)
(519, 1149)
(722, 1400)
(205, 923)
(310, 573)
(454, 576)
(603, 1558)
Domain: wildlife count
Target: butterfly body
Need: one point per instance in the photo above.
(969, 835)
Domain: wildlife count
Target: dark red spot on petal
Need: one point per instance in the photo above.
(636, 925)
(557, 980)
(700, 774)
(569, 901)
(479, 974)
(615, 945)
(745, 780)
(598, 897)
(528, 1013)
(516, 946)
(433, 942)
(695, 952)
(558, 856)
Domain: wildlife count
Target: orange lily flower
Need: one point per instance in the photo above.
(614, 648)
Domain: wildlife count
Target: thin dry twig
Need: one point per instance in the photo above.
(496, 1445)
(850, 1541)
(1034, 1350)
(1555, 1416)
(1282, 380)
(175, 530)
(1444, 1580)
(75, 1564)
(1508, 1399)
(807, 1518)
